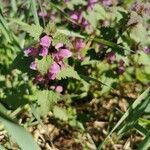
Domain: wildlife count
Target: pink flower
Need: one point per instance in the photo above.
(59, 45)
(91, 4)
(76, 16)
(61, 54)
(43, 51)
(57, 88)
(33, 65)
(85, 23)
(64, 53)
(30, 52)
(79, 44)
(45, 41)
(53, 71)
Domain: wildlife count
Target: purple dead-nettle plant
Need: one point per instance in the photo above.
(58, 53)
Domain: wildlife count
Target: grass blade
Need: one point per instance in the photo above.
(34, 11)
(137, 102)
(87, 78)
(145, 144)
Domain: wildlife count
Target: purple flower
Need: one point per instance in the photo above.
(43, 51)
(121, 67)
(76, 16)
(64, 53)
(33, 65)
(79, 44)
(107, 2)
(59, 45)
(91, 4)
(85, 23)
(45, 41)
(111, 57)
(61, 54)
(30, 52)
(53, 71)
(59, 88)
(147, 50)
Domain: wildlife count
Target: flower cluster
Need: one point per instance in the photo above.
(57, 52)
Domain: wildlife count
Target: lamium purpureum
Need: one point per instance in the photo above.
(57, 53)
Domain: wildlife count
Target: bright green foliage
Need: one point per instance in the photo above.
(68, 72)
(139, 34)
(60, 113)
(61, 38)
(95, 15)
(44, 64)
(50, 28)
(45, 101)
(34, 30)
(144, 145)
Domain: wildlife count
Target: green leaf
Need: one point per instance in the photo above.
(97, 13)
(61, 38)
(68, 72)
(139, 34)
(34, 30)
(45, 100)
(50, 28)
(44, 64)
(60, 113)
(70, 33)
(16, 132)
(88, 79)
